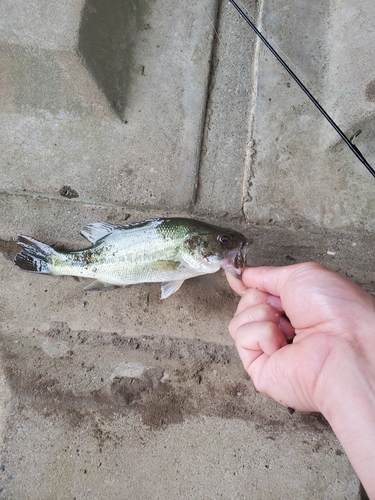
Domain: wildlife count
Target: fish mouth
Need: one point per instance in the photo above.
(236, 260)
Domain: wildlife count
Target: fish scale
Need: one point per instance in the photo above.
(123, 257)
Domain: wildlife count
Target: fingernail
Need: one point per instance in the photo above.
(275, 302)
(286, 328)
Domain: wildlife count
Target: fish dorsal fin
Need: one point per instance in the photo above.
(169, 287)
(97, 230)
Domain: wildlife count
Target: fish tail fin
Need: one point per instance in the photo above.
(34, 256)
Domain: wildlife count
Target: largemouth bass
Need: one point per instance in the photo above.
(158, 250)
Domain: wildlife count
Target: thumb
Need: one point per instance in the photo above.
(273, 279)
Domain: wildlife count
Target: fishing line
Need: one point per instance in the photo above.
(314, 87)
(347, 141)
(317, 91)
(284, 160)
(285, 56)
(281, 51)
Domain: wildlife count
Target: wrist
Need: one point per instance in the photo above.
(349, 407)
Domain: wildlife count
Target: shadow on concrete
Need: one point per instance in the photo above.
(107, 38)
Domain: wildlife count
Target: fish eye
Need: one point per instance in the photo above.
(224, 239)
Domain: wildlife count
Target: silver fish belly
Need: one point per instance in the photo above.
(158, 250)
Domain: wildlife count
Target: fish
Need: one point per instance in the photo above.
(165, 250)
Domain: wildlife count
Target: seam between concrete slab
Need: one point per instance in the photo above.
(250, 150)
(215, 24)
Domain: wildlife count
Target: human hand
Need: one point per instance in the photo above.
(331, 322)
(330, 364)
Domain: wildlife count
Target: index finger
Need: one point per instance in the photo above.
(236, 284)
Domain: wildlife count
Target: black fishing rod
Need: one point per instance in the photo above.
(347, 141)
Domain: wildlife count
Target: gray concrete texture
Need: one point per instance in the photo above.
(124, 110)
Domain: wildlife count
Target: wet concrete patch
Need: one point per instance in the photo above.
(179, 379)
(370, 91)
(107, 37)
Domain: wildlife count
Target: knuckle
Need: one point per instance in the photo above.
(270, 329)
(261, 383)
(267, 313)
(253, 296)
(232, 328)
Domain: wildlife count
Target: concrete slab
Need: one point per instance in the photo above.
(350, 94)
(299, 169)
(184, 429)
(149, 156)
(202, 307)
(224, 154)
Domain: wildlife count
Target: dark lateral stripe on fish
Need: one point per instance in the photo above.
(33, 256)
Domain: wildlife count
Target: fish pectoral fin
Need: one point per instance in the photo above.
(166, 265)
(99, 286)
(201, 267)
(97, 230)
(169, 287)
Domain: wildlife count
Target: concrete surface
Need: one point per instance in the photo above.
(54, 108)
(300, 170)
(121, 111)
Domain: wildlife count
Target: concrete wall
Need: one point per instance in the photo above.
(125, 110)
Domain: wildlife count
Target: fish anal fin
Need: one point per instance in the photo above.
(170, 287)
(99, 286)
(97, 230)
